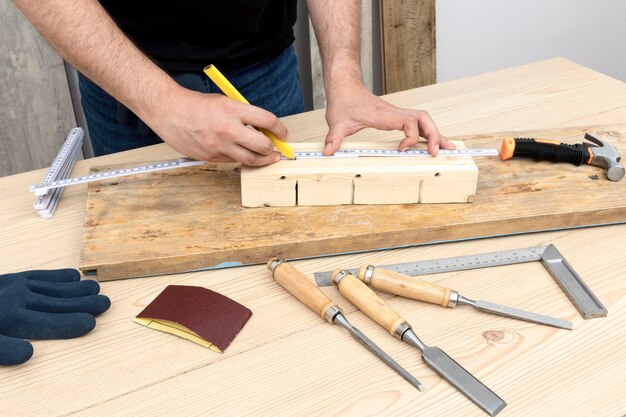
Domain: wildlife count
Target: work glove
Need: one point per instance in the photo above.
(53, 304)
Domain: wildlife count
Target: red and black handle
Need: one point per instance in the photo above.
(546, 150)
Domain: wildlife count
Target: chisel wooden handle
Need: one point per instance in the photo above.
(405, 285)
(300, 287)
(367, 301)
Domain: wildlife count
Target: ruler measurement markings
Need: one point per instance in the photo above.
(460, 263)
(60, 168)
(183, 162)
(65, 169)
(52, 198)
(75, 136)
(396, 153)
(581, 296)
(45, 201)
(41, 189)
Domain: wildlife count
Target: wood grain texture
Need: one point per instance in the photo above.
(407, 286)
(37, 111)
(408, 44)
(287, 361)
(192, 218)
(337, 181)
(368, 302)
(300, 287)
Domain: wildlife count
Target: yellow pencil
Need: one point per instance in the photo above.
(227, 88)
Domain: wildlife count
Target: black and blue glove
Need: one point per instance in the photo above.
(53, 304)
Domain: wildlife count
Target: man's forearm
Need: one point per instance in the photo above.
(83, 33)
(337, 25)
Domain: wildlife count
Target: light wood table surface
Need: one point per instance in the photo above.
(286, 360)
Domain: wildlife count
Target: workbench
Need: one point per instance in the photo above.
(287, 360)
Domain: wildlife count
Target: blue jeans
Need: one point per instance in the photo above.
(273, 84)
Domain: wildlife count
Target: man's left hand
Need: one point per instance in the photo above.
(352, 108)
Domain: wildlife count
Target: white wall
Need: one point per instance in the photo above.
(476, 36)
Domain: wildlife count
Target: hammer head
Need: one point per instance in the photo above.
(606, 156)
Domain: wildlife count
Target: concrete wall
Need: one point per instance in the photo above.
(35, 105)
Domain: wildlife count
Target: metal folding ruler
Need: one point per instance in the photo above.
(46, 186)
(47, 202)
(581, 296)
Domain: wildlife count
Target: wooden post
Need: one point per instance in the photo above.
(408, 44)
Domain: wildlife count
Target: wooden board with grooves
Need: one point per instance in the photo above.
(374, 180)
(192, 218)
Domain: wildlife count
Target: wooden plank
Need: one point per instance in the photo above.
(319, 182)
(37, 111)
(192, 218)
(408, 44)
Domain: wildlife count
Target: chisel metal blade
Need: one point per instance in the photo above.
(365, 341)
(462, 380)
(516, 313)
(457, 376)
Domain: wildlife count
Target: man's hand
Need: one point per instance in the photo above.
(203, 126)
(212, 127)
(52, 304)
(353, 107)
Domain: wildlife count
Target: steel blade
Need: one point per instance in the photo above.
(462, 380)
(365, 341)
(522, 315)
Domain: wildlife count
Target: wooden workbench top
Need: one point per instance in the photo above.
(286, 360)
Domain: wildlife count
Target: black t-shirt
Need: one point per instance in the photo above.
(187, 35)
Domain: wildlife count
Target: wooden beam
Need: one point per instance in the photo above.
(337, 181)
(408, 44)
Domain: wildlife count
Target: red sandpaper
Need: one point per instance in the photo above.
(210, 315)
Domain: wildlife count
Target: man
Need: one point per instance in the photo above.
(154, 75)
(137, 92)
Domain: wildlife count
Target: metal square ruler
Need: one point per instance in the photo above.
(581, 296)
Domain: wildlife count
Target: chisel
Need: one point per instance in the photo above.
(411, 287)
(373, 306)
(300, 287)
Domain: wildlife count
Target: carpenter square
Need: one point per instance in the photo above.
(581, 296)
(411, 287)
(373, 306)
(300, 287)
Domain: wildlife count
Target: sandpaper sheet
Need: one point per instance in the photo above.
(197, 314)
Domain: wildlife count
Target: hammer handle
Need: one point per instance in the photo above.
(407, 286)
(544, 150)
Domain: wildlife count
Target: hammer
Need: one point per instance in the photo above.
(602, 154)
